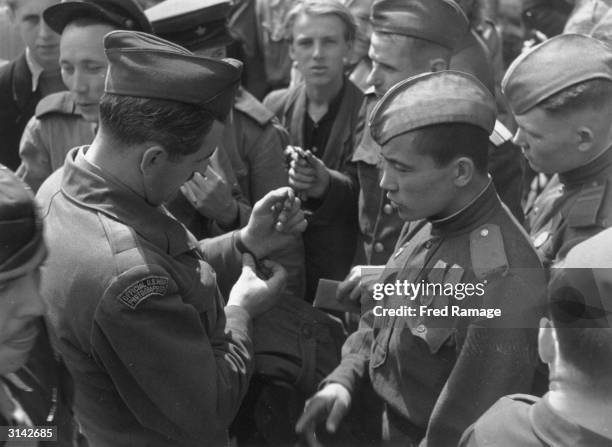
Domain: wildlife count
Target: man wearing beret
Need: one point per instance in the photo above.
(438, 374)
(68, 119)
(563, 114)
(34, 385)
(158, 356)
(576, 342)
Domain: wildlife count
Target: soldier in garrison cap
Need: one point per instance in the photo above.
(321, 116)
(158, 356)
(253, 138)
(564, 130)
(576, 342)
(68, 119)
(433, 129)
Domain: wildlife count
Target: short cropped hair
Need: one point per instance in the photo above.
(419, 51)
(317, 8)
(583, 343)
(595, 93)
(179, 127)
(449, 141)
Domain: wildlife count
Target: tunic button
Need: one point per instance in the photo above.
(428, 245)
(484, 232)
(421, 329)
(387, 209)
(378, 247)
(307, 332)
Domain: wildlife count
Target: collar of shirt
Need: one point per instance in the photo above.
(589, 171)
(556, 430)
(35, 68)
(94, 188)
(470, 216)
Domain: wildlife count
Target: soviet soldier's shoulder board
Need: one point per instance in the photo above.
(60, 102)
(250, 106)
(487, 251)
(585, 210)
(500, 134)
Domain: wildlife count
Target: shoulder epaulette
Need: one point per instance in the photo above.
(525, 398)
(585, 210)
(500, 134)
(250, 106)
(488, 251)
(60, 102)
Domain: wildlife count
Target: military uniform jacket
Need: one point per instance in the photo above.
(137, 315)
(572, 207)
(49, 135)
(255, 142)
(528, 421)
(437, 375)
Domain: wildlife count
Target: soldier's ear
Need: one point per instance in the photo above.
(464, 171)
(153, 158)
(547, 341)
(585, 139)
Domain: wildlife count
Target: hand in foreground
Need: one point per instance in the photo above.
(359, 280)
(211, 195)
(275, 220)
(330, 404)
(307, 173)
(252, 292)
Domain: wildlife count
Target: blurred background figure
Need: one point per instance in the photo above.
(34, 386)
(29, 77)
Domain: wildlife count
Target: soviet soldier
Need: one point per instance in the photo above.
(433, 130)
(564, 130)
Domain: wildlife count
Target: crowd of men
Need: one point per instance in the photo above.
(373, 224)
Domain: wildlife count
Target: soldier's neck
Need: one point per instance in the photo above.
(583, 405)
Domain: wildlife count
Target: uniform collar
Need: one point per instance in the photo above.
(555, 430)
(35, 68)
(469, 217)
(587, 172)
(97, 189)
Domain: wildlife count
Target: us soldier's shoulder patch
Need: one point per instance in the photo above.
(140, 290)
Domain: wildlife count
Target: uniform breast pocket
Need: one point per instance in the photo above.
(204, 295)
(435, 337)
(380, 347)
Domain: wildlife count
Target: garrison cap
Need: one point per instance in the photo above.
(194, 24)
(21, 241)
(147, 66)
(581, 288)
(553, 66)
(439, 21)
(125, 14)
(429, 99)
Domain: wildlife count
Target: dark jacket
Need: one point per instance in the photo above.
(17, 105)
